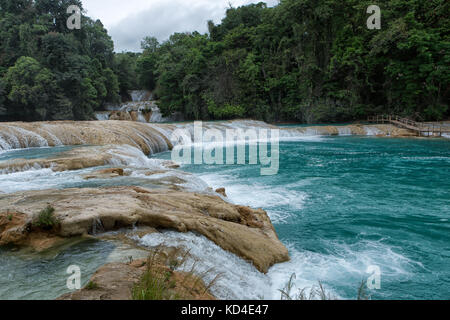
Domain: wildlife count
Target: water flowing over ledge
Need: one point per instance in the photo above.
(20, 135)
(142, 108)
(154, 138)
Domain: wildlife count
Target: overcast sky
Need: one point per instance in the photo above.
(129, 21)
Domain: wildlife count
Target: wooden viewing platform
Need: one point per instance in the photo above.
(421, 128)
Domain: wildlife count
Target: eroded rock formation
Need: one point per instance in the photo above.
(243, 231)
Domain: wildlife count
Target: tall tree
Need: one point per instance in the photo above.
(32, 89)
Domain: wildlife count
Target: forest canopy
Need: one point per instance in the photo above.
(308, 61)
(48, 72)
(302, 60)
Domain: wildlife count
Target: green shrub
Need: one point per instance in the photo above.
(227, 111)
(92, 286)
(46, 219)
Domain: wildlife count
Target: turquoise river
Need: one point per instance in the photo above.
(339, 203)
(342, 204)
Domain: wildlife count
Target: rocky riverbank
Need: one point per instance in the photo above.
(243, 231)
(120, 281)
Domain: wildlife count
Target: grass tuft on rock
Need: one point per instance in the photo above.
(92, 286)
(46, 219)
(163, 279)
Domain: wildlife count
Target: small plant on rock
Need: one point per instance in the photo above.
(46, 219)
(162, 281)
(92, 286)
(316, 292)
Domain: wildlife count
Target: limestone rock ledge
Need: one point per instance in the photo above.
(76, 159)
(146, 137)
(243, 231)
(84, 157)
(115, 281)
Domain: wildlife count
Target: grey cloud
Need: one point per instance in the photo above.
(165, 18)
(161, 21)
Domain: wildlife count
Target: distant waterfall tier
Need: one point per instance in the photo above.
(139, 111)
(142, 108)
(140, 95)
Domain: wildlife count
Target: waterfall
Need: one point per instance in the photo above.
(345, 131)
(157, 116)
(56, 140)
(102, 116)
(141, 118)
(372, 131)
(39, 134)
(4, 145)
(140, 95)
(150, 138)
(142, 104)
(28, 138)
(312, 132)
(9, 141)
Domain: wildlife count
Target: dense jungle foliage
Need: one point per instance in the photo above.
(49, 72)
(302, 60)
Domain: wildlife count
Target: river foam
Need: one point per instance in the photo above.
(332, 267)
(272, 199)
(240, 280)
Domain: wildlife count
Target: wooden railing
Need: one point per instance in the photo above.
(422, 128)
